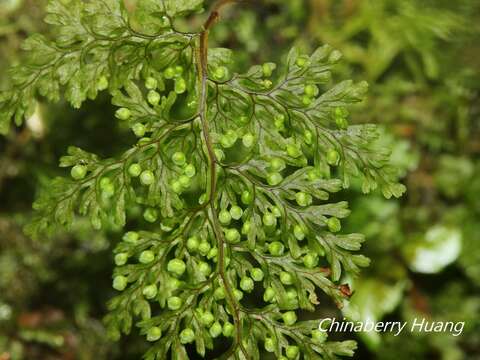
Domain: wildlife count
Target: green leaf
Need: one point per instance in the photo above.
(94, 40)
(182, 7)
(229, 185)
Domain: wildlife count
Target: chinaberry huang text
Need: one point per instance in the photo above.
(396, 327)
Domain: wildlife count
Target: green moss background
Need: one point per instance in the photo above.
(422, 61)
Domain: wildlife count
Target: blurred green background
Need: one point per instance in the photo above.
(422, 60)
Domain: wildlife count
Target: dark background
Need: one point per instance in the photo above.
(422, 60)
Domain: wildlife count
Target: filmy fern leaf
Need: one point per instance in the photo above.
(233, 172)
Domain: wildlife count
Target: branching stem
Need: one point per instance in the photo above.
(212, 173)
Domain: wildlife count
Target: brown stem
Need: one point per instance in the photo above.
(212, 185)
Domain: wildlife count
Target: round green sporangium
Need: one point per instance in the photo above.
(193, 243)
(78, 172)
(274, 179)
(219, 154)
(294, 151)
(236, 212)
(289, 318)
(119, 283)
(187, 336)
(179, 70)
(303, 199)
(212, 254)
(333, 157)
(139, 130)
(277, 164)
(267, 70)
(276, 212)
(286, 278)
(248, 140)
(207, 318)
(299, 232)
(150, 291)
(220, 73)
(292, 294)
(179, 158)
(246, 227)
(319, 336)
(150, 215)
(151, 83)
(123, 114)
(108, 189)
(146, 257)
(180, 86)
(190, 170)
(121, 259)
(204, 248)
(334, 225)
(225, 217)
(238, 294)
(147, 177)
(153, 98)
(269, 219)
(176, 267)
(256, 274)
(307, 101)
(310, 260)
(342, 123)
(232, 235)
(311, 90)
(204, 268)
(314, 174)
(177, 187)
(215, 330)
(302, 61)
(269, 294)
(185, 181)
(219, 293)
(102, 83)
(169, 73)
(292, 352)
(154, 334)
(174, 303)
(276, 248)
(247, 197)
(130, 237)
(228, 329)
(135, 170)
(246, 284)
(270, 345)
